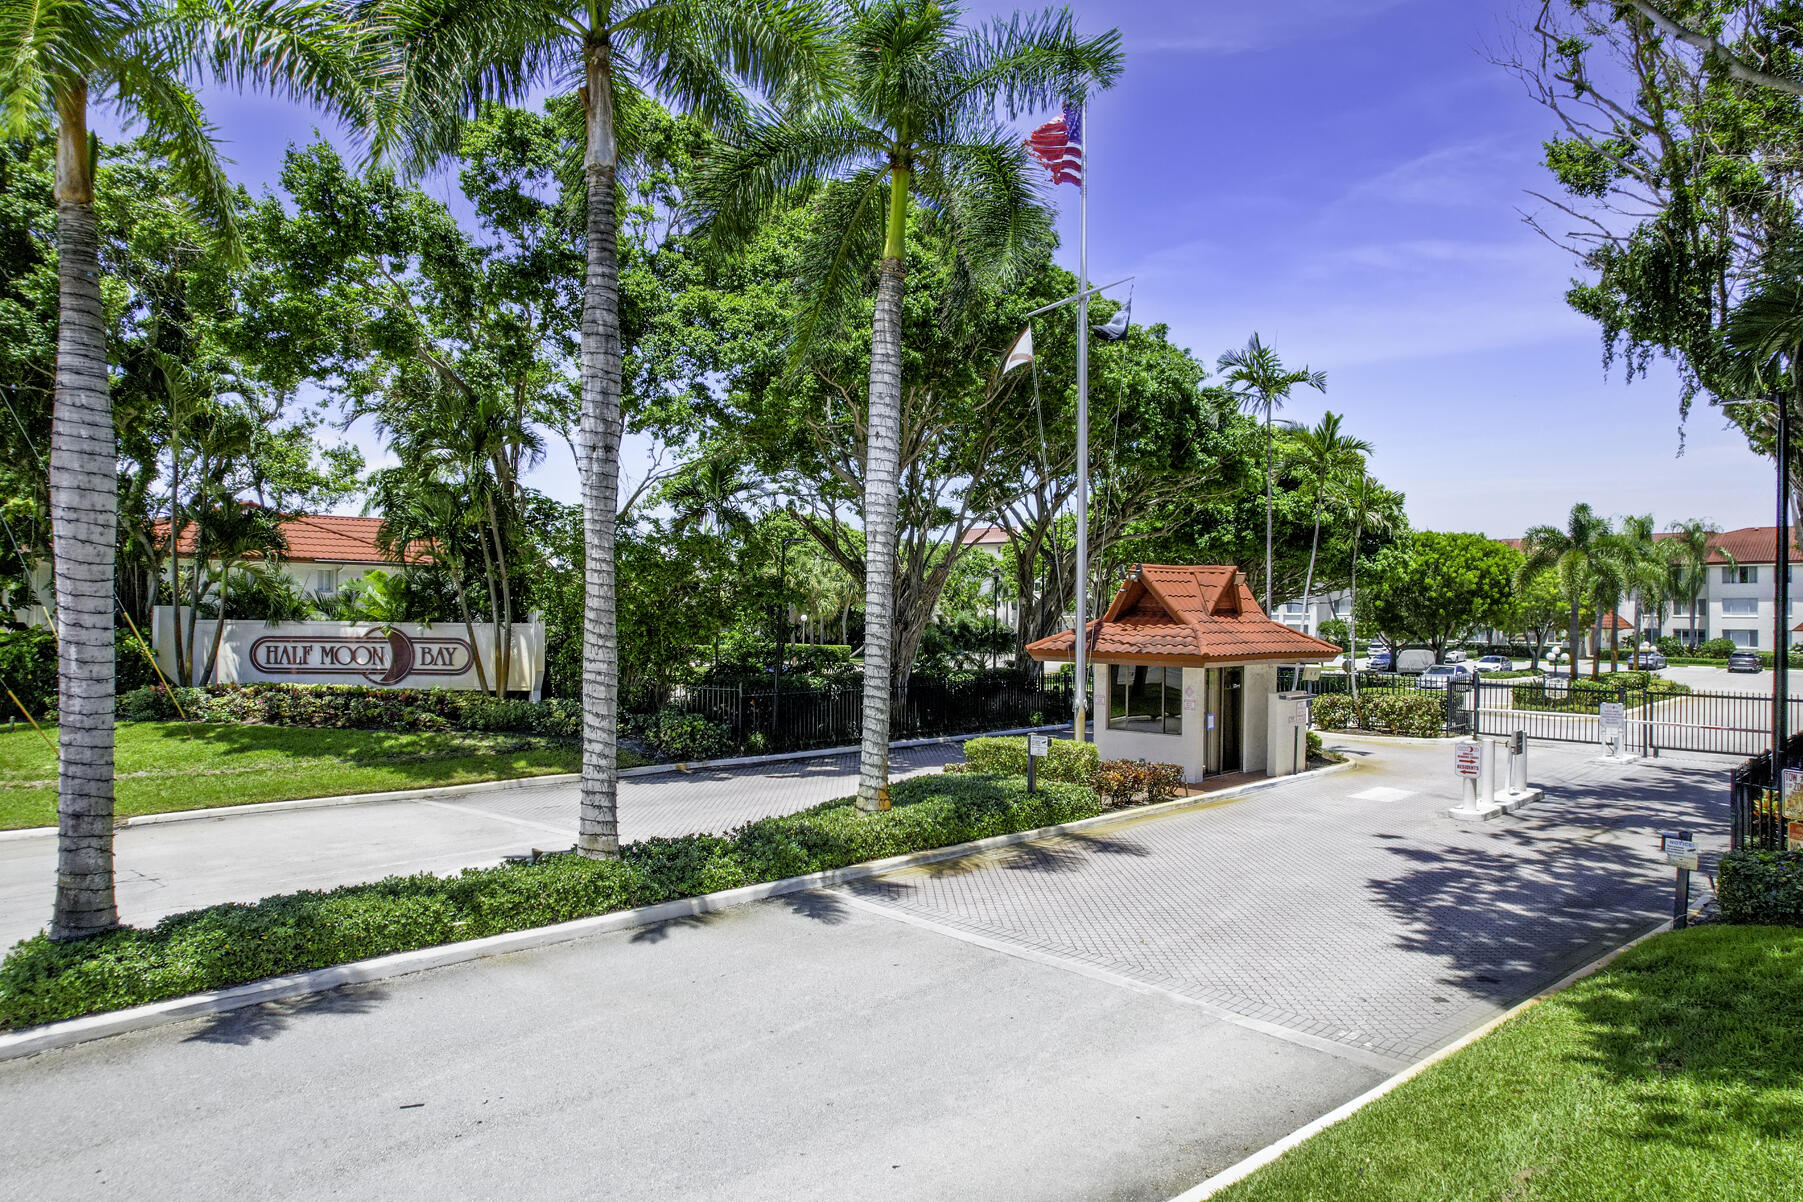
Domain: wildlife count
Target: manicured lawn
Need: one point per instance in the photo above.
(166, 766)
(1675, 1073)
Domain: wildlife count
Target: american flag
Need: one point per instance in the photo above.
(1059, 145)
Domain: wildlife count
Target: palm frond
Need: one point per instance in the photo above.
(845, 246)
(1030, 61)
(748, 177)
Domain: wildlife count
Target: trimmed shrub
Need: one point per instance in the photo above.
(227, 945)
(1333, 711)
(1716, 649)
(353, 707)
(28, 668)
(1418, 713)
(1314, 746)
(683, 736)
(1671, 646)
(1764, 887)
(1124, 783)
(1072, 762)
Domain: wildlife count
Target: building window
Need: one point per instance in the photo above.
(1743, 607)
(1145, 699)
(1741, 574)
(1744, 638)
(1292, 607)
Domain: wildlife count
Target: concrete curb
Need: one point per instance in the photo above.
(50, 1036)
(1236, 1173)
(438, 792)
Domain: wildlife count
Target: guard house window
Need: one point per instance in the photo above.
(1145, 699)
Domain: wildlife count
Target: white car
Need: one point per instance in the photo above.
(1494, 663)
(1454, 656)
(1441, 675)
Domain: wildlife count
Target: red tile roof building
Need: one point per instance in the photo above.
(1186, 615)
(315, 538)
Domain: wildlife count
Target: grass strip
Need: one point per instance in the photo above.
(168, 766)
(1677, 1072)
(233, 944)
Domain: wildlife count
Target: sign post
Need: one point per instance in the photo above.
(1681, 853)
(1037, 746)
(1611, 721)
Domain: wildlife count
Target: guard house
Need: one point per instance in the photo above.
(1186, 671)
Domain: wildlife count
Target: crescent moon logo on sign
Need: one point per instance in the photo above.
(400, 659)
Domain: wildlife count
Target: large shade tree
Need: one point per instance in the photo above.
(444, 58)
(55, 59)
(916, 121)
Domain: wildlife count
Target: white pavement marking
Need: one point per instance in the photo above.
(1315, 1043)
(1383, 793)
(562, 832)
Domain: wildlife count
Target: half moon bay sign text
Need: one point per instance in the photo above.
(382, 659)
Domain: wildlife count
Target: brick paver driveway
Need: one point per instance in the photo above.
(1345, 907)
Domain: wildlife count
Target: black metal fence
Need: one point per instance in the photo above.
(1755, 790)
(764, 719)
(1652, 718)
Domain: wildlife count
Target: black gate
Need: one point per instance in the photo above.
(1653, 718)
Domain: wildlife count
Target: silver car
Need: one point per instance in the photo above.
(1441, 675)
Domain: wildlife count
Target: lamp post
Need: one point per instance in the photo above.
(1781, 593)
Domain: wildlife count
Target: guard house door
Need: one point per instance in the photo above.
(1233, 708)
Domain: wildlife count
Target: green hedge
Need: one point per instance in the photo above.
(354, 707)
(1068, 761)
(1587, 696)
(222, 946)
(1761, 887)
(1420, 713)
(28, 668)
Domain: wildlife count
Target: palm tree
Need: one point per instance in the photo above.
(1644, 566)
(709, 495)
(135, 54)
(1688, 552)
(1575, 551)
(1365, 516)
(1259, 379)
(1324, 453)
(446, 57)
(916, 120)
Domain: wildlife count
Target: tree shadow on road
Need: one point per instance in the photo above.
(258, 1024)
(1540, 897)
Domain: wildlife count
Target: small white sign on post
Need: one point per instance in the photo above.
(1680, 853)
(1468, 760)
(1612, 716)
(1039, 745)
(1790, 797)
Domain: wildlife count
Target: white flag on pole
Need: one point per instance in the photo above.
(1021, 352)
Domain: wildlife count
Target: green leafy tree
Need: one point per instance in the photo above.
(53, 58)
(446, 56)
(1434, 588)
(915, 119)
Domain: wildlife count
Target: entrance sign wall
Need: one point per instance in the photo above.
(437, 655)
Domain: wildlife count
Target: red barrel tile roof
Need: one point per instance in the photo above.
(315, 538)
(1190, 615)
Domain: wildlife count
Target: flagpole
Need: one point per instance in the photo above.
(1079, 718)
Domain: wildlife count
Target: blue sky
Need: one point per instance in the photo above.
(1346, 178)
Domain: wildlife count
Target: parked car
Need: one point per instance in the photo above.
(1455, 656)
(1439, 676)
(1494, 663)
(1651, 660)
(1743, 661)
(1379, 662)
(1412, 662)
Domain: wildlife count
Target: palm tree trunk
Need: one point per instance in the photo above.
(598, 828)
(881, 462)
(1267, 509)
(1308, 581)
(1572, 671)
(225, 570)
(84, 506)
(469, 627)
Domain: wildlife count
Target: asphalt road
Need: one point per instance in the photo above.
(164, 868)
(1115, 1015)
